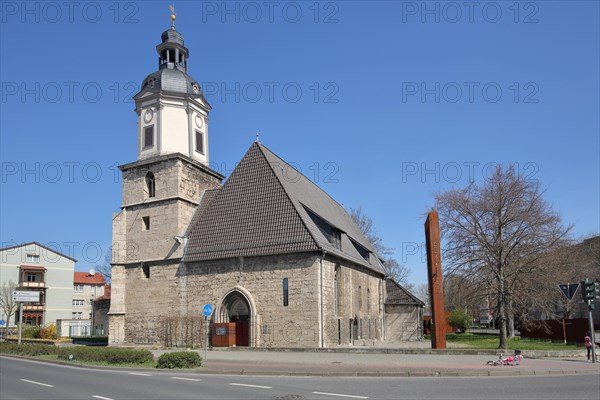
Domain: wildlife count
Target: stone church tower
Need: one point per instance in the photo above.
(162, 188)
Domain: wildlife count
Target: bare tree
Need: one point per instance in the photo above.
(399, 272)
(105, 268)
(496, 235)
(7, 304)
(422, 292)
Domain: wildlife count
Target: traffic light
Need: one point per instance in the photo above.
(589, 291)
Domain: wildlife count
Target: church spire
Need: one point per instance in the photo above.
(171, 52)
(173, 16)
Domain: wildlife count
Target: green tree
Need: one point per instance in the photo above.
(459, 319)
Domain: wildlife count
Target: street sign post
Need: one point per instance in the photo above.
(569, 290)
(26, 296)
(207, 311)
(1, 324)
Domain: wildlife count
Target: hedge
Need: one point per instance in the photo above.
(27, 349)
(106, 354)
(179, 359)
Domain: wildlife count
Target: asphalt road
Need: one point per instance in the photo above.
(25, 379)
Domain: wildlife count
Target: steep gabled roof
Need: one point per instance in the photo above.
(250, 216)
(267, 207)
(397, 294)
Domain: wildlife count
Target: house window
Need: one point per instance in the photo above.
(78, 288)
(285, 292)
(336, 238)
(146, 223)
(33, 258)
(336, 290)
(77, 315)
(359, 298)
(368, 300)
(148, 136)
(31, 277)
(199, 142)
(150, 184)
(78, 303)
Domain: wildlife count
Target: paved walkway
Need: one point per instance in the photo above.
(375, 362)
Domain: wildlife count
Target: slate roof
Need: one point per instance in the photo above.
(397, 294)
(264, 209)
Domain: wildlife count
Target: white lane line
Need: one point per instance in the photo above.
(341, 395)
(37, 383)
(101, 397)
(139, 374)
(252, 386)
(186, 379)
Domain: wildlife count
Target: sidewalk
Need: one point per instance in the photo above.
(379, 362)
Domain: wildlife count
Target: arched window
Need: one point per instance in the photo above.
(150, 184)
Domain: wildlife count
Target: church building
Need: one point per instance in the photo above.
(280, 261)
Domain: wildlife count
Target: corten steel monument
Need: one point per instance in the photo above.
(436, 290)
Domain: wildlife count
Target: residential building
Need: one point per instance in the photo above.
(101, 307)
(36, 267)
(87, 287)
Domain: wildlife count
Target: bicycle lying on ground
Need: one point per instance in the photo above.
(513, 360)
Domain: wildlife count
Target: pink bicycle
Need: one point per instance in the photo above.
(513, 360)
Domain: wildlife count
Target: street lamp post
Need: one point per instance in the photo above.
(92, 317)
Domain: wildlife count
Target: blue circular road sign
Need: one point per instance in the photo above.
(207, 310)
(2, 322)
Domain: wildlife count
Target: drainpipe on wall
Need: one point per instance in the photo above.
(321, 322)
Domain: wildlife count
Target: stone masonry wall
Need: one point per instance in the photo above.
(401, 323)
(358, 314)
(179, 290)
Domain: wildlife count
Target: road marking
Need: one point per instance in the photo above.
(186, 379)
(102, 398)
(252, 386)
(37, 383)
(139, 374)
(341, 395)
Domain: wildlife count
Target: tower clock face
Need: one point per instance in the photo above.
(199, 121)
(148, 115)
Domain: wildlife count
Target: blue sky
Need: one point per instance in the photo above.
(382, 104)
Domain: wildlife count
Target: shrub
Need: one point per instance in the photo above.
(460, 319)
(30, 332)
(179, 359)
(49, 332)
(109, 355)
(27, 349)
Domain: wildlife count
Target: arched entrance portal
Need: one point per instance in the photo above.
(235, 308)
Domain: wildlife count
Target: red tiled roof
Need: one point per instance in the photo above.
(32, 267)
(87, 279)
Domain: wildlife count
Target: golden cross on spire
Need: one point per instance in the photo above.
(173, 16)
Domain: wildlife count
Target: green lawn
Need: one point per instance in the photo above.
(476, 341)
